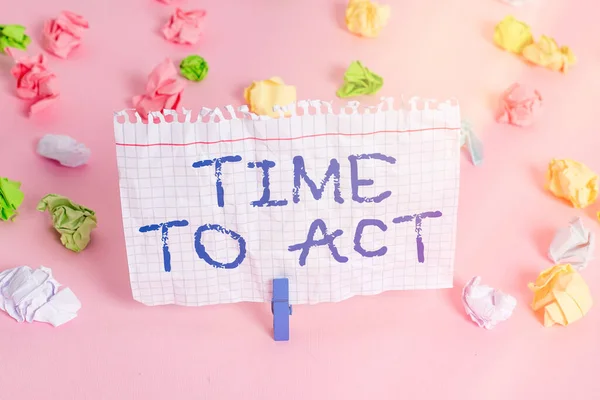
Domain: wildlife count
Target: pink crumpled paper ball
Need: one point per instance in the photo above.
(184, 27)
(35, 82)
(163, 90)
(520, 105)
(64, 33)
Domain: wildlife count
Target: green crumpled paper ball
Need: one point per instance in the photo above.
(13, 36)
(73, 221)
(11, 198)
(194, 68)
(359, 80)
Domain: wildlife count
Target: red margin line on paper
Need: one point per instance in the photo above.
(282, 139)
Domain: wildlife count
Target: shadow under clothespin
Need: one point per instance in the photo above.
(474, 145)
(281, 309)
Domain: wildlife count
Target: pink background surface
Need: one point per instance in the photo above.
(412, 345)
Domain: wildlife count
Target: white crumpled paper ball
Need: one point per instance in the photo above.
(64, 149)
(28, 295)
(485, 305)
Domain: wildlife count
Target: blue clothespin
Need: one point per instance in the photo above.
(281, 308)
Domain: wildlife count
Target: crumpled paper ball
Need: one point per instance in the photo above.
(573, 181)
(573, 245)
(29, 295)
(546, 53)
(193, 68)
(11, 198)
(35, 82)
(64, 149)
(73, 221)
(366, 18)
(184, 27)
(163, 90)
(561, 294)
(520, 105)
(512, 35)
(63, 34)
(13, 36)
(359, 80)
(485, 305)
(262, 96)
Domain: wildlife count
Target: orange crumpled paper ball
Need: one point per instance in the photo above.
(35, 82)
(64, 33)
(572, 181)
(546, 53)
(163, 90)
(561, 296)
(262, 96)
(184, 27)
(366, 18)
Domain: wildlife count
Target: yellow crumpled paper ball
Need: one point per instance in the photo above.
(261, 96)
(546, 53)
(562, 294)
(366, 18)
(573, 181)
(512, 35)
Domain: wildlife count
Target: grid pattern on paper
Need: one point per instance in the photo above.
(159, 184)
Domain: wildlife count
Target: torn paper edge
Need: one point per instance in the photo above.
(299, 108)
